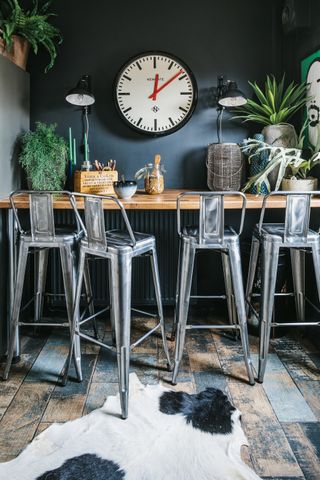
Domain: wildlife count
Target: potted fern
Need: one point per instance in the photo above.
(21, 28)
(44, 157)
(292, 165)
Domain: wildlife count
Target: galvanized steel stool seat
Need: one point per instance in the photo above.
(211, 234)
(42, 236)
(119, 248)
(296, 235)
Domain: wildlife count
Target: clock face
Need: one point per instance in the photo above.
(155, 93)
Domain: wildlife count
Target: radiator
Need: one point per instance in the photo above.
(162, 224)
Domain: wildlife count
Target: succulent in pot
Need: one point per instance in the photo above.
(21, 28)
(292, 165)
(44, 157)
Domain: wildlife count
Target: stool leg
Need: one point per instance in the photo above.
(69, 281)
(40, 282)
(121, 272)
(75, 317)
(316, 263)
(237, 281)
(270, 256)
(253, 262)
(298, 274)
(187, 264)
(232, 314)
(89, 295)
(175, 315)
(156, 282)
(22, 262)
(113, 331)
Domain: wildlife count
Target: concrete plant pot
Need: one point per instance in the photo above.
(299, 184)
(279, 135)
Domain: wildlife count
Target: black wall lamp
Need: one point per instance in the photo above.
(227, 95)
(82, 96)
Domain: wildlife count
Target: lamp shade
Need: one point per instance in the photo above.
(81, 95)
(232, 97)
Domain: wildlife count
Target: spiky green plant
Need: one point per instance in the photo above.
(44, 157)
(276, 104)
(31, 24)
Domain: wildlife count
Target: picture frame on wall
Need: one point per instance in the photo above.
(310, 72)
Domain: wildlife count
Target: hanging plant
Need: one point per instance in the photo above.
(32, 25)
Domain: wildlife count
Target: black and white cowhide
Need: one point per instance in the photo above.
(168, 436)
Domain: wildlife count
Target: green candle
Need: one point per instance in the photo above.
(74, 152)
(70, 144)
(85, 148)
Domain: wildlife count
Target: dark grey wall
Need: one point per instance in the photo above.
(302, 42)
(241, 39)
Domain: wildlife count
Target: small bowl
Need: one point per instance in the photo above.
(125, 189)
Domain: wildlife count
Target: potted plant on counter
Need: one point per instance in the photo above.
(292, 165)
(273, 108)
(44, 158)
(21, 28)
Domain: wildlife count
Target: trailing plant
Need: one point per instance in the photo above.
(44, 157)
(31, 24)
(290, 162)
(275, 104)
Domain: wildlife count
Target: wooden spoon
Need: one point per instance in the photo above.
(157, 160)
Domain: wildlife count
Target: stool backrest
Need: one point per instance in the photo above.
(94, 224)
(297, 214)
(211, 214)
(41, 213)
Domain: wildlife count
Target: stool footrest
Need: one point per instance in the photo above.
(221, 297)
(216, 327)
(43, 324)
(295, 324)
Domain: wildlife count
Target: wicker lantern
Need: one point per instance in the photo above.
(224, 166)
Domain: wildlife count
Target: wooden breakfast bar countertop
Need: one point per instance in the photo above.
(165, 201)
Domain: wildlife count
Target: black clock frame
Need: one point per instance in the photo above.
(194, 86)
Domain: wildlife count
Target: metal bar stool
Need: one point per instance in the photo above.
(296, 235)
(41, 235)
(211, 235)
(119, 247)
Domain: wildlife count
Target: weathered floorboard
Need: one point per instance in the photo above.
(304, 439)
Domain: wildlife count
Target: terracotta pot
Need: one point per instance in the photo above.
(299, 184)
(19, 52)
(279, 135)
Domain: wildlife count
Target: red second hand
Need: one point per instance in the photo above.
(153, 95)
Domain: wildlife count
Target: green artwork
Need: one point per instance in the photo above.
(310, 72)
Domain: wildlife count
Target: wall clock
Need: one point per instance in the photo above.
(155, 93)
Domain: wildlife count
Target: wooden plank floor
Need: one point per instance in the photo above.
(281, 418)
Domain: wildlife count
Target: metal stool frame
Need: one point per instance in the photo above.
(99, 243)
(211, 236)
(296, 235)
(42, 237)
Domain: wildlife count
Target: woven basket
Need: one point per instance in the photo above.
(224, 166)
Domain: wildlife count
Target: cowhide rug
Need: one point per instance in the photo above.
(168, 436)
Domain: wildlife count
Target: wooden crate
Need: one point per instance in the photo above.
(95, 182)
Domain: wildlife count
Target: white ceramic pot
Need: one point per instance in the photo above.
(299, 184)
